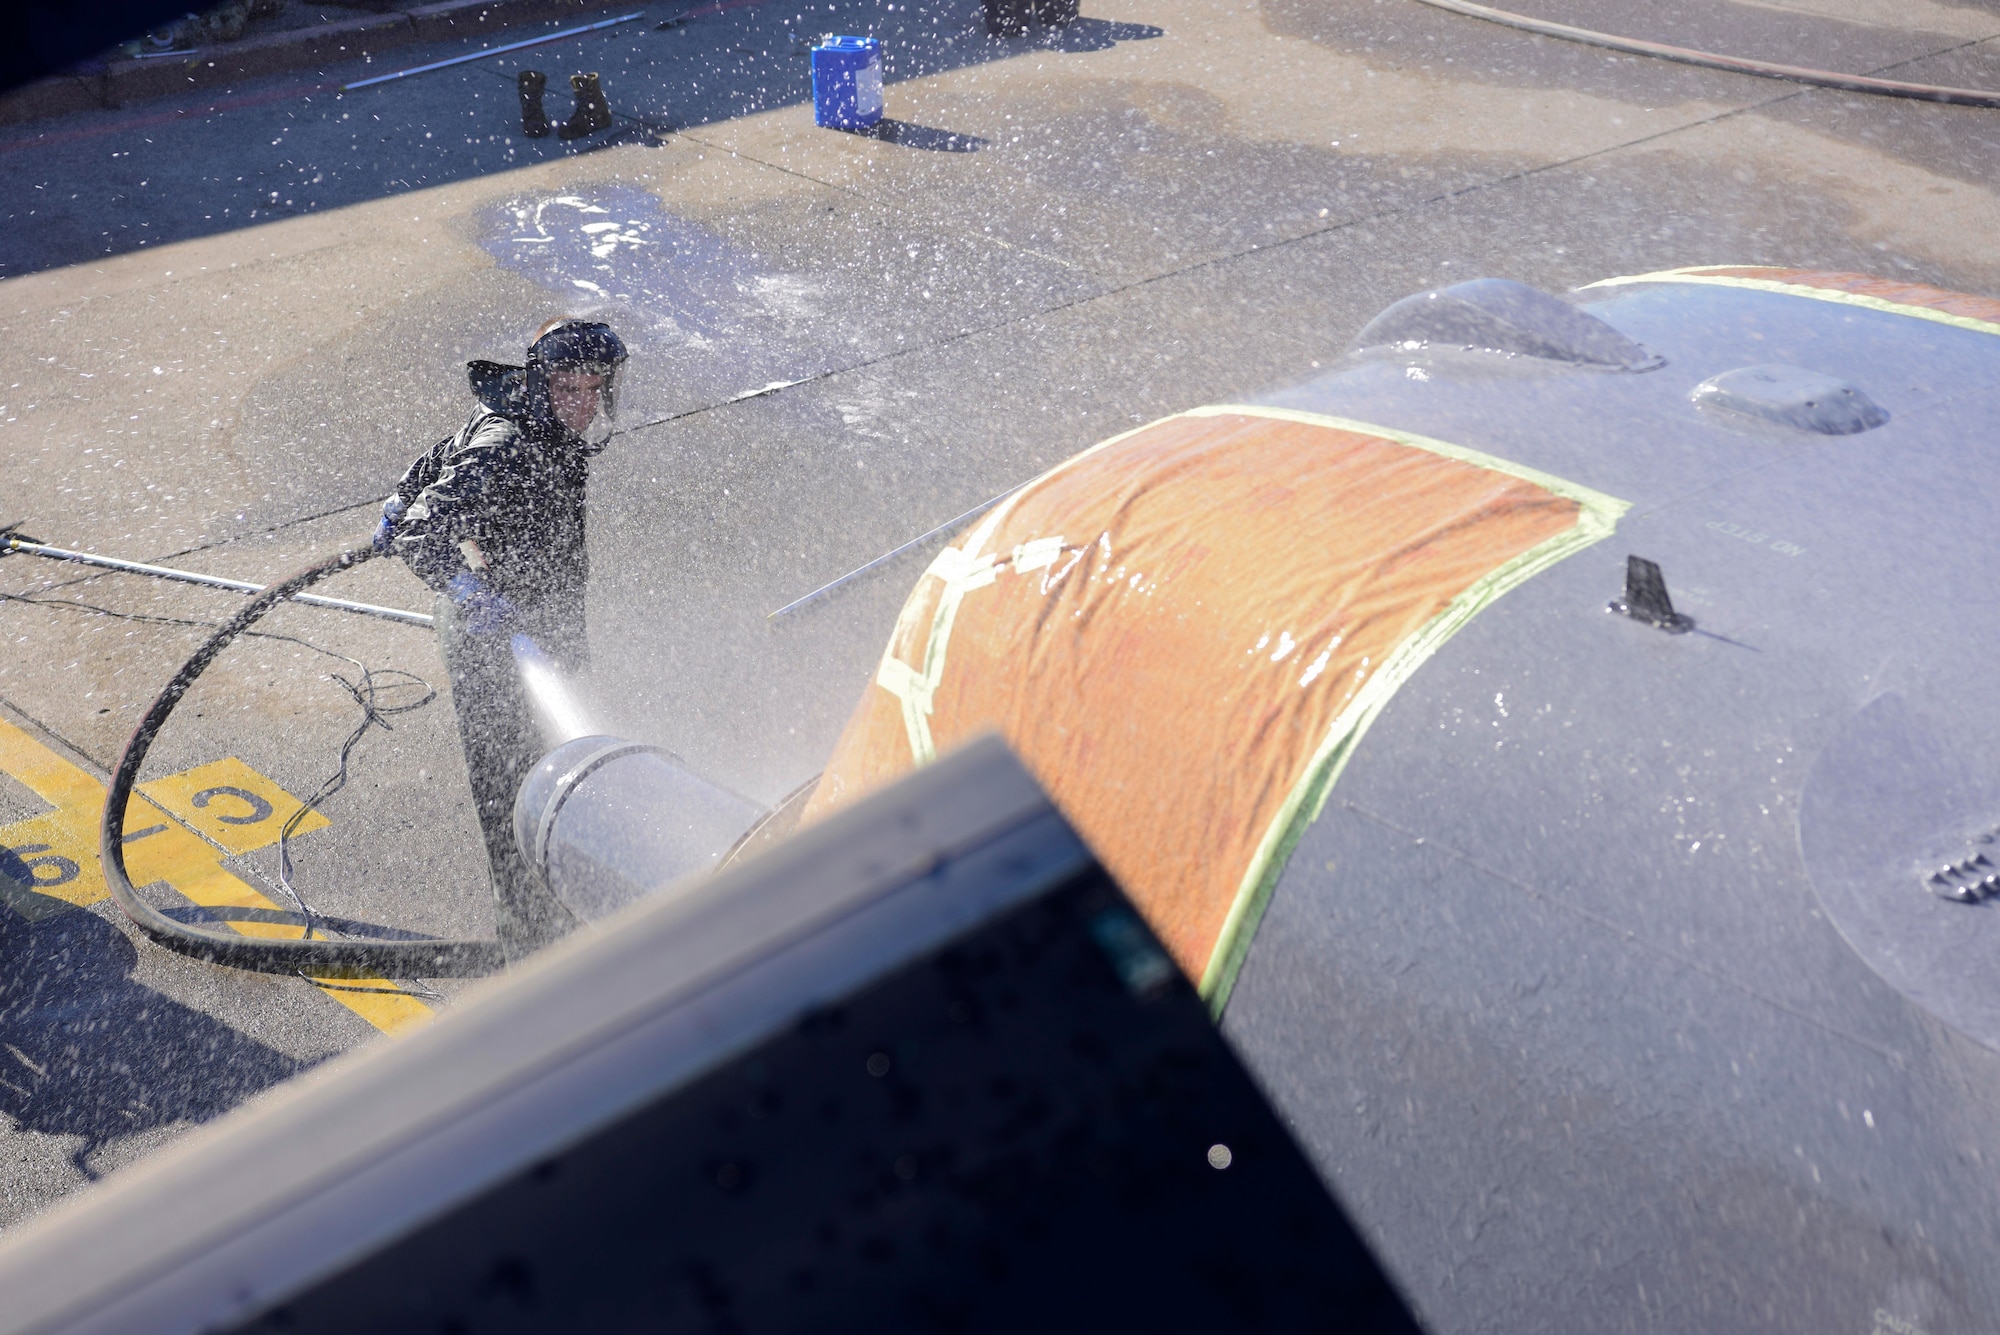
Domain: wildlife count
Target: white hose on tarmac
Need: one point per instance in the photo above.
(1853, 83)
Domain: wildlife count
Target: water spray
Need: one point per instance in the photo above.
(559, 711)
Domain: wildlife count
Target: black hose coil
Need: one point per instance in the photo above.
(394, 959)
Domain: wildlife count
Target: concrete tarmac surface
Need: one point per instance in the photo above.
(230, 321)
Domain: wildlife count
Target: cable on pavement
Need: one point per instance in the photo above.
(444, 958)
(366, 693)
(1852, 83)
(374, 712)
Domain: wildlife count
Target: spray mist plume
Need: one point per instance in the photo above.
(558, 709)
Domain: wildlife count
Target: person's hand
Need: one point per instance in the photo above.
(384, 540)
(482, 612)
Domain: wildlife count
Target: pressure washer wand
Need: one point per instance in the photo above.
(15, 542)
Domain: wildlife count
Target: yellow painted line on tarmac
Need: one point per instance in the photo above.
(60, 846)
(225, 800)
(46, 774)
(231, 804)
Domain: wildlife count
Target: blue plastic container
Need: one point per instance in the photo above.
(847, 83)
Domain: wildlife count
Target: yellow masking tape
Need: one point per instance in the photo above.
(1702, 276)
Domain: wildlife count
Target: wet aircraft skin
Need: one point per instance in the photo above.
(1569, 988)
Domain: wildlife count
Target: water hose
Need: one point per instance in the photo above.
(417, 958)
(1852, 83)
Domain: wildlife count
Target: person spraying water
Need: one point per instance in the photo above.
(493, 519)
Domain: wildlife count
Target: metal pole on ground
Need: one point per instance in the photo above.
(29, 547)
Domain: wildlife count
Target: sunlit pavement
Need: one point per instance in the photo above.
(230, 322)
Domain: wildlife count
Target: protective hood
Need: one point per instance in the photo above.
(574, 345)
(501, 387)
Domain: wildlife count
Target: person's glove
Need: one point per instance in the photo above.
(384, 541)
(482, 612)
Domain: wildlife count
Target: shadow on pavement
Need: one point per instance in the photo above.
(198, 915)
(108, 182)
(924, 137)
(88, 1052)
(1088, 34)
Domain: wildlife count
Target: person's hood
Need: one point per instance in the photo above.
(501, 387)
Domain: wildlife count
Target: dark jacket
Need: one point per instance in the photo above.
(519, 496)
